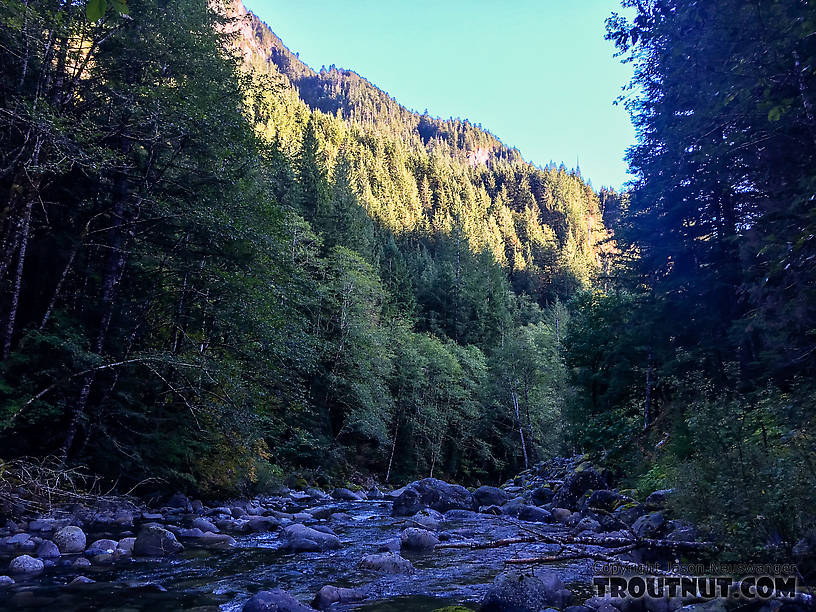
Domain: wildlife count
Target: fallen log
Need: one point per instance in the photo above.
(575, 554)
(491, 544)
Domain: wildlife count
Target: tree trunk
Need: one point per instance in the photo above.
(647, 403)
(18, 280)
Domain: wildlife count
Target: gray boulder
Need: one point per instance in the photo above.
(429, 519)
(125, 545)
(6, 581)
(263, 523)
(489, 496)
(21, 542)
(650, 525)
(604, 499)
(330, 595)
(525, 592)
(70, 539)
(25, 564)
(102, 546)
(588, 524)
(534, 514)
(418, 540)
(541, 496)
(387, 563)
(155, 541)
(306, 539)
(276, 600)
(204, 525)
(432, 493)
(574, 487)
(560, 514)
(346, 495)
(179, 501)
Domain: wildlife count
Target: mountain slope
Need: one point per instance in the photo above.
(417, 173)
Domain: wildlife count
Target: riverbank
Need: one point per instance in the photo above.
(533, 543)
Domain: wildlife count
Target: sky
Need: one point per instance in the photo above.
(536, 73)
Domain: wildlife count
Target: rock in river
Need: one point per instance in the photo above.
(418, 540)
(70, 540)
(387, 563)
(525, 592)
(432, 493)
(329, 595)
(305, 539)
(25, 564)
(276, 600)
(155, 541)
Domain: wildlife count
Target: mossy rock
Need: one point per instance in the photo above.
(633, 493)
(583, 466)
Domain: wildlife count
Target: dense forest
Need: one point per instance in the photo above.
(221, 267)
(214, 272)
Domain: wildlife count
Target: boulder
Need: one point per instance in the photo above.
(6, 581)
(432, 493)
(428, 519)
(263, 523)
(418, 540)
(534, 514)
(346, 495)
(126, 545)
(489, 496)
(387, 563)
(659, 500)
(25, 564)
(205, 525)
(525, 592)
(276, 600)
(604, 499)
(560, 514)
(47, 550)
(330, 595)
(526, 512)
(216, 540)
(629, 513)
(179, 501)
(541, 496)
(392, 545)
(574, 487)
(320, 513)
(82, 580)
(650, 525)
(588, 524)
(305, 539)
(19, 542)
(103, 546)
(155, 541)
(70, 539)
(374, 493)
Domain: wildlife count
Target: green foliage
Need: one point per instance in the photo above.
(219, 265)
(691, 365)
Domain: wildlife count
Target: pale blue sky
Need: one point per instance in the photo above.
(536, 73)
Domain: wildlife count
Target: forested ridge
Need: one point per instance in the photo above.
(213, 277)
(221, 268)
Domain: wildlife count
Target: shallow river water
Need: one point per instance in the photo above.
(205, 579)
